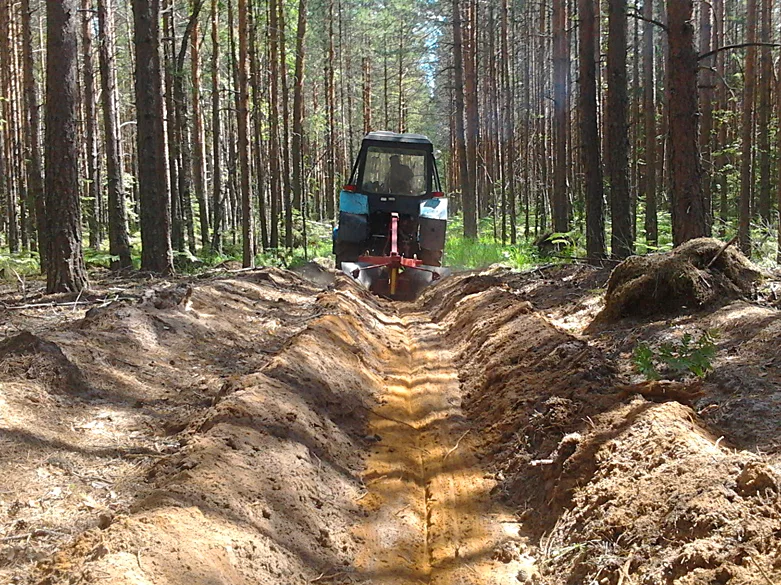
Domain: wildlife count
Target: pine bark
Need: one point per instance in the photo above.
(88, 95)
(330, 177)
(119, 242)
(274, 146)
(617, 131)
(65, 270)
(285, 137)
(763, 113)
(707, 85)
(198, 151)
(248, 252)
(467, 192)
(649, 109)
(217, 200)
(687, 200)
(32, 129)
(468, 58)
(588, 10)
(747, 134)
(298, 111)
(155, 211)
(257, 99)
(560, 116)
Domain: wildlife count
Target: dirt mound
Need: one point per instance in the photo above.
(33, 358)
(317, 273)
(698, 273)
(265, 489)
(664, 501)
(611, 488)
(440, 298)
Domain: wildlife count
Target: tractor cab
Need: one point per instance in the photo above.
(392, 216)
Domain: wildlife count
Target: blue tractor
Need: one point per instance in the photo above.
(392, 216)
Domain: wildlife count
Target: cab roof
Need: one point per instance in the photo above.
(393, 137)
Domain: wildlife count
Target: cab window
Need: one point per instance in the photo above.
(394, 171)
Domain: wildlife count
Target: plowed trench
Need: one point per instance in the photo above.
(430, 515)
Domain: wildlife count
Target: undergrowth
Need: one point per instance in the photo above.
(460, 252)
(671, 360)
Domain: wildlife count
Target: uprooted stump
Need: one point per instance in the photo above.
(698, 273)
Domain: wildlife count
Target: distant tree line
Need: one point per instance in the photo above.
(213, 125)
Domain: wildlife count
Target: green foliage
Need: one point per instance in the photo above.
(19, 264)
(102, 258)
(466, 253)
(675, 359)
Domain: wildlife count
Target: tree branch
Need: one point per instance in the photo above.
(638, 16)
(186, 37)
(738, 46)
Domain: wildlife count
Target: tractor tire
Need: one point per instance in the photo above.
(431, 257)
(347, 252)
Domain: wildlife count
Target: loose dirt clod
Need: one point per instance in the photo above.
(698, 273)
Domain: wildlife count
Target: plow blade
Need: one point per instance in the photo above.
(410, 282)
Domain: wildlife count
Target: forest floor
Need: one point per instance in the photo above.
(272, 427)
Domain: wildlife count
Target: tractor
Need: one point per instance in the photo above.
(392, 217)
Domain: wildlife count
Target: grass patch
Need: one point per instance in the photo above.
(464, 253)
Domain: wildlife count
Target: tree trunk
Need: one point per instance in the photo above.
(88, 84)
(721, 159)
(171, 138)
(66, 272)
(588, 11)
(508, 125)
(366, 69)
(257, 100)
(649, 105)
(467, 193)
(119, 243)
(156, 252)
(248, 252)
(274, 155)
(468, 59)
(763, 113)
(217, 204)
(32, 129)
(197, 135)
(617, 126)
(706, 109)
(330, 178)
(688, 204)
(560, 116)
(778, 172)
(298, 112)
(8, 186)
(747, 134)
(285, 137)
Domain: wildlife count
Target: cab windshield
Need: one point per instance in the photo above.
(395, 171)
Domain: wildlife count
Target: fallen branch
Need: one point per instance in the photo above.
(323, 577)
(27, 535)
(761, 570)
(53, 304)
(456, 445)
(721, 251)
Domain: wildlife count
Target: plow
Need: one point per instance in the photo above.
(393, 217)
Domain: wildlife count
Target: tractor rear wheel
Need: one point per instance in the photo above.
(347, 252)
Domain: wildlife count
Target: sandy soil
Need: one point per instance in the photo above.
(268, 427)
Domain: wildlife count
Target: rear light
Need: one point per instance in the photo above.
(437, 194)
(350, 188)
